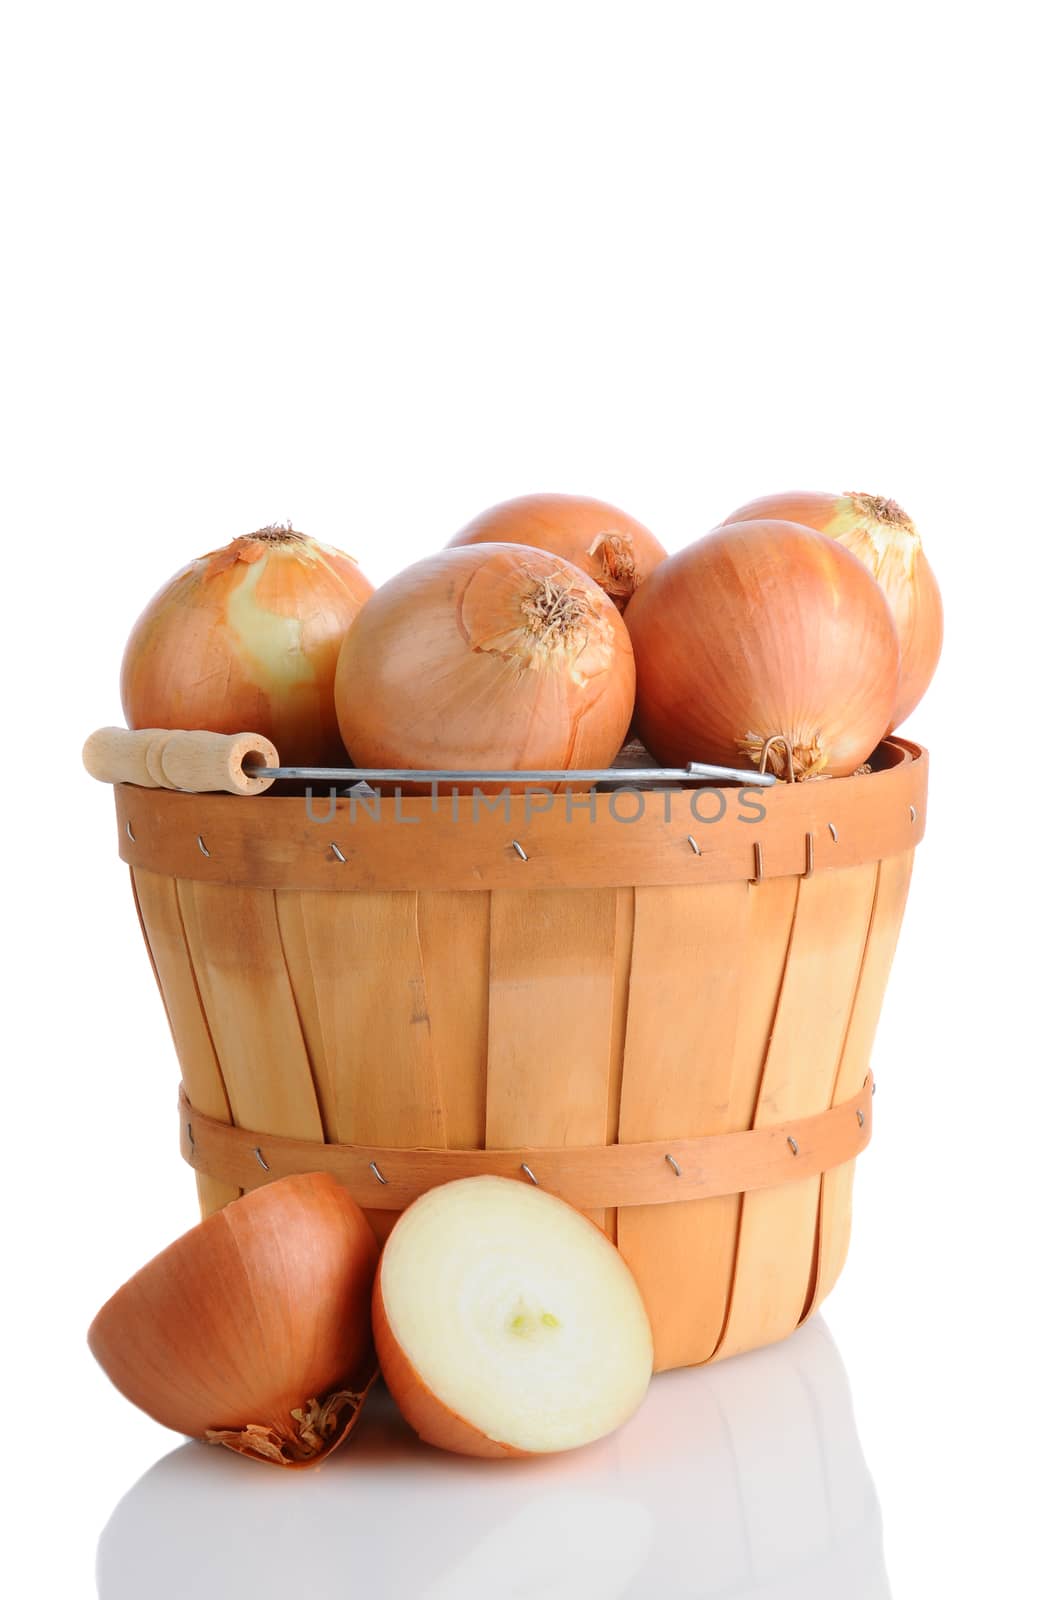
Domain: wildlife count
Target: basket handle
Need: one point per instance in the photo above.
(199, 762)
(166, 758)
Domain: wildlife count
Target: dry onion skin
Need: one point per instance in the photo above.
(763, 629)
(603, 541)
(887, 541)
(486, 657)
(245, 640)
(252, 1330)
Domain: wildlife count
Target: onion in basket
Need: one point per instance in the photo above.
(488, 656)
(252, 1330)
(604, 542)
(761, 629)
(886, 540)
(506, 1323)
(246, 640)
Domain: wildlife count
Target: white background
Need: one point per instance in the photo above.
(374, 267)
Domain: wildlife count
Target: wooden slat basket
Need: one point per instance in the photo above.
(643, 970)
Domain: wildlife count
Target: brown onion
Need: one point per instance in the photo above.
(763, 629)
(490, 656)
(886, 540)
(604, 542)
(246, 640)
(252, 1330)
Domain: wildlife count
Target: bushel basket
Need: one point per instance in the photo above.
(659, 1005)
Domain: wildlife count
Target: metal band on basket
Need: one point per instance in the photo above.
(588, 1177)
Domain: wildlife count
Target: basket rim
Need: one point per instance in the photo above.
(621, 838)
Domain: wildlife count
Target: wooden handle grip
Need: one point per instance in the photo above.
(168, 758)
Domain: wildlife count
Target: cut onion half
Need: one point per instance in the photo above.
(506, 1324)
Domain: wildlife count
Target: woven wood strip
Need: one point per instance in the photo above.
(656, 1172)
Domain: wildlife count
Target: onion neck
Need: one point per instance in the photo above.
(876, 508)
(275, 533)
(883, 536)
(251, 547)
(616, 571)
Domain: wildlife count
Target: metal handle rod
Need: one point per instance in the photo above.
(697, 771)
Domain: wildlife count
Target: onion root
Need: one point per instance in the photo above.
(809, 759)
(320, 1428)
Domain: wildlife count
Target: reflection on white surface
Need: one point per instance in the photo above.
(738, 1480)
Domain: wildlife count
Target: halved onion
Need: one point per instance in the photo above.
(246, 639)
(506, 1323)
(886, 540)
(603, 541)
(763, 629)
(488, 656)
(252, 1330)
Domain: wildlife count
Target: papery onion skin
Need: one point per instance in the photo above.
(486, 657)
(614, 549)
(886, 540)
(245, 640)
(758, 629)
(259, 1310)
